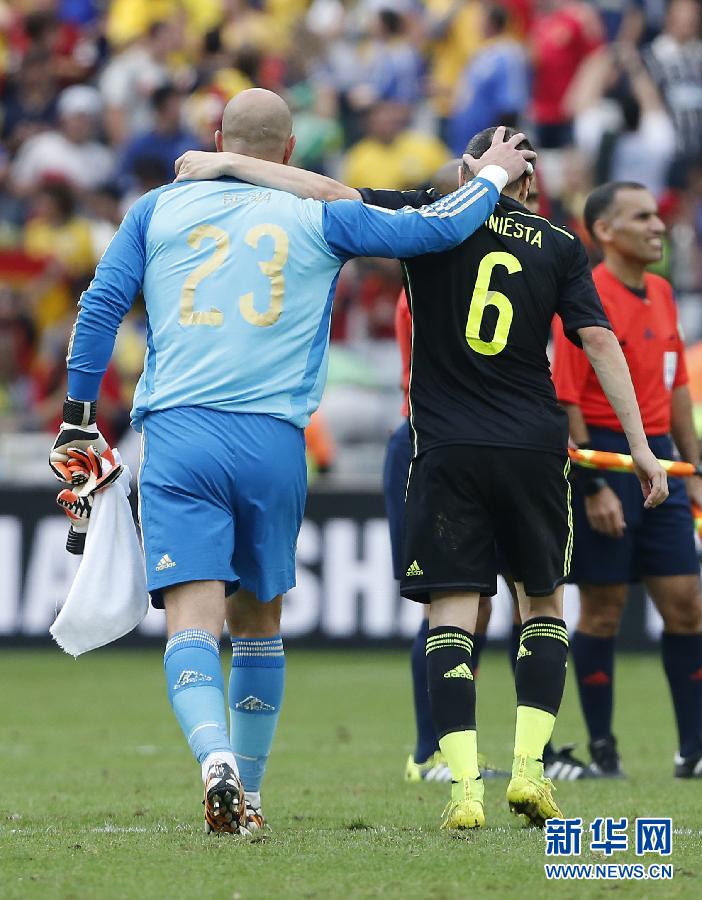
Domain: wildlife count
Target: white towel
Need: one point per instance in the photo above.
(108, 597)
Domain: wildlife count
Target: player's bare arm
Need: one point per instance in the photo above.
(606, 357)
(577, 426)
(683, 430)
(200, 165)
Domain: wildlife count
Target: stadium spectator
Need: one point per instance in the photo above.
(494, 86)
(165, 142)
(30, 100)
(620, 120)
(132, 76)
(17, 345)
(674, 59)
(246, 25)
(61, 239)
(69, 52)
(564, 34)
(103, 209)
(453, 28)
(391, 155)
(71, 152)
(396, 70)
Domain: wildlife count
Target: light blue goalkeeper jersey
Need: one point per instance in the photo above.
(238, 283)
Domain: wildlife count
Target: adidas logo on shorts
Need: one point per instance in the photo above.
(165, 563)
(414, 569)
(460, 671)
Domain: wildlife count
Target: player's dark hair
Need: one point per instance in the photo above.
(480, 143)
(601, 199)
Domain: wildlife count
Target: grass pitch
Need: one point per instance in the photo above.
(99, 796)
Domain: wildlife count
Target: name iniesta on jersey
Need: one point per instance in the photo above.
(509, 227)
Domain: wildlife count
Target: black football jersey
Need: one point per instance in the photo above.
(481, 319)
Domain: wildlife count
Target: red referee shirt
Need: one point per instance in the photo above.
(647, 330)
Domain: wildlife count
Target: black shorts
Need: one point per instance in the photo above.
(462, 500)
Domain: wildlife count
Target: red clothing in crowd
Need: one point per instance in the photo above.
(648, 332)
(403, 332)
(561, 40)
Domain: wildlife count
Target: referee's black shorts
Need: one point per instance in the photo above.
(462, 500)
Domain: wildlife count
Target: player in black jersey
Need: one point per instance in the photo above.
(491, 465)
(490, 457)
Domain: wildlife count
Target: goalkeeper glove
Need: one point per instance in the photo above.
(78, 510)
(89, 473)
(78, 430)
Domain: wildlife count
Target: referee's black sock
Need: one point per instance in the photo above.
(452, 698)
(593, 658)
(682, 661)
(540, 679)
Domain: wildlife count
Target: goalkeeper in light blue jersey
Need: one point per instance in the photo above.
(238, 283)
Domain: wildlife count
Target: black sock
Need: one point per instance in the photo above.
(514, 639)
(450, 678)
(682, 661)
(540, 671)
(426, 735)
(594, 668)
(479, 641)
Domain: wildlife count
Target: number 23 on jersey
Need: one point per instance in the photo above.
(272, 268)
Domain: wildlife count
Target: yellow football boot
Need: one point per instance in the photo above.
(529, 793)
(434, 769)
(465, 808)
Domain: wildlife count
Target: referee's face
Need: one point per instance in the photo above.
(634, 229)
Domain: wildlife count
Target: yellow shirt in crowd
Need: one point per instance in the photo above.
(450, 53)
(410, 160)
(71, 246)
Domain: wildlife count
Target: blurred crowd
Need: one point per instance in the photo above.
(99, 97)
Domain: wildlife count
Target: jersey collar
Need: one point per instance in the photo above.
(632, 293)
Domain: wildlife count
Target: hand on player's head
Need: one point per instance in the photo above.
(199, 165)
(505, 154)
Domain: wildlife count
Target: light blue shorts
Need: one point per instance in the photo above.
(222, 497)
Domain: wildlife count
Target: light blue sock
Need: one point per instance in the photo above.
(196, 691)
(255, 697)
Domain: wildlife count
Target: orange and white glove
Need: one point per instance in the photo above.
(88, 473)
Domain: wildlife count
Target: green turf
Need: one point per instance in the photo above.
(100, 798)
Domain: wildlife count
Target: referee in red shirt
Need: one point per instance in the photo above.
(616, 540)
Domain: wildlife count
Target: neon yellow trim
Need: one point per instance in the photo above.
(516, 212)
(569, 542)
(460, 749)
